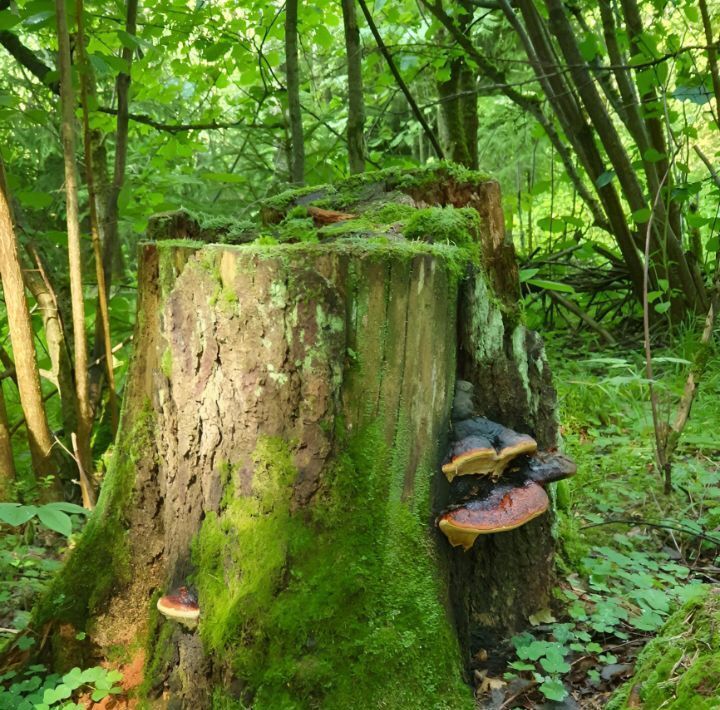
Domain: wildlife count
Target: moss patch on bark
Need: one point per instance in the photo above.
(100, 563)
(680, 668)
(349, 583)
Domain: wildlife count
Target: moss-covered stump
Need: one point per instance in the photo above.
(680, 668)
(284, 421)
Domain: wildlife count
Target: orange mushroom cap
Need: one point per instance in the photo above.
(181, 605)
(505, 506)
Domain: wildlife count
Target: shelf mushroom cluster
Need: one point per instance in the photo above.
(497, 475)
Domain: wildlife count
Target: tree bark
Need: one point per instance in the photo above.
(292, 70)
(21, 336)
(7, 463)
(67, 106)
(285, 417)
(356, 102)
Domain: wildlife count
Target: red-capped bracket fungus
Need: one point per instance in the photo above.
(479, 506)
(505, 506)
(484, 447)
(181, 605)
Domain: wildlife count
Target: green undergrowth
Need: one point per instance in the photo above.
(319, 607)
(680, 668)
(627, 550)
(100, 560)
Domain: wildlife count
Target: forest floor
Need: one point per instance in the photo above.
(630, 555)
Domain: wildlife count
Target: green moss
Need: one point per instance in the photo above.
(680, 668)
(159, 649)
(100, 560)
(166, 362)
(447, 225)
(317, 608)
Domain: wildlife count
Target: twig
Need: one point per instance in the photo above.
(650, 523)
(580, 313)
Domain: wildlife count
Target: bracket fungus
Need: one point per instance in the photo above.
(485, 447)
(181, 606)
(481, 452)
(505, 506)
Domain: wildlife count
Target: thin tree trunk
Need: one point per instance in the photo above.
(67, 105)
(103, 315)
(21, 336)
(292, 64)
(356, 103)
(7, 464)
(122, 89)
(38, 284)
(711, 56)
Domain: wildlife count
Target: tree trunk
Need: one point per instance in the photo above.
(21, 336)
(285, 417)
(7, 463)
(292, 70)
(356, 102)
(67, 131)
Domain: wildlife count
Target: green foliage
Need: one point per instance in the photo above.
(52, 515)
(347, 584)
(681, 667)
(32, 689)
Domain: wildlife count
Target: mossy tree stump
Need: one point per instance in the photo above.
(283, 426)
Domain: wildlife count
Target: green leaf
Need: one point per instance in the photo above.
(25, 642)
(553, 689)
(16, 514)
(654, 156)
(56, 520)
(641, 216)
(692, 13)
(551, 285)
(8, 20)
(98, 695)
(605, 178)
(73, 678)
(526, 274)
(663, 307)
(71, 508)
(554, 661)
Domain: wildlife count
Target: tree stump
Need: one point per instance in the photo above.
(284, 421)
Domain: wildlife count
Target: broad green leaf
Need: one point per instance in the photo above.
(16, 514)
(71, 508)
(55, 520)
(526, 274)
(641, 216)
(663, 307)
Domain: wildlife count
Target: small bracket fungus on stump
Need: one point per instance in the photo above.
(181, 606)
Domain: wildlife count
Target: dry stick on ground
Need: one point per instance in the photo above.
(580, 313)
(21, 335)
(67, 106)
(104, 314)
(403, 86)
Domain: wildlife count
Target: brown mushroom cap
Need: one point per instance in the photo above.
(181, 605)
(506, 506)
(485, 447)
(473, 454)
